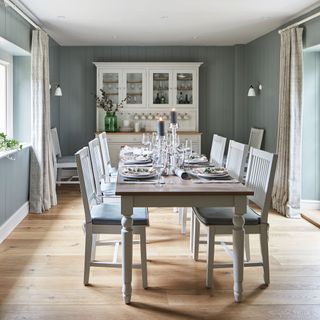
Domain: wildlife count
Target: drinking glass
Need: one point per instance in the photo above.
(188, 148)
(146, 139)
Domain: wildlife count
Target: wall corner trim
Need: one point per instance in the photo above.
(13, 221)
(310, 204)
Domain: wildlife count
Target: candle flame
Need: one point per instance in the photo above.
(160, 119)
(173, 109)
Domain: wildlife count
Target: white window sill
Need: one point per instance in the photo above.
(5, 154)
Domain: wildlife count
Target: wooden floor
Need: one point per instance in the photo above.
(41, 269)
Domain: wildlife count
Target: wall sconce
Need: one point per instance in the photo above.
(252, 91)
(57, 91)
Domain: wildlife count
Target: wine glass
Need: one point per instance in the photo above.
(188, 148)
(146, 139)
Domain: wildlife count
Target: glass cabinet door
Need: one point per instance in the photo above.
(111, 85)
(161, 83)
(134, 88)
(184, 88)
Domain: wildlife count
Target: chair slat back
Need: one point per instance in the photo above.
(255, 139)
(217, 149)
(97, 164)
(86, 181)
(103, 139)
(55, 142)
(236, 159)
(260, 176)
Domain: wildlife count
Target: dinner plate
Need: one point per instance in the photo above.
(211, 173)
(197, 160)
(138, 160)
(138, 172)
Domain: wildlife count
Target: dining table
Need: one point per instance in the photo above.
(176, 192)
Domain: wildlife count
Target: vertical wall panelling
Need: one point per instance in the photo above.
(262, 63)
(78, 81)
(54, 69)
(14, 28)
(14, 183)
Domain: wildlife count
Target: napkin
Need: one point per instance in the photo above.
(181, 174)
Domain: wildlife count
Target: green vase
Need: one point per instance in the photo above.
(111, 122)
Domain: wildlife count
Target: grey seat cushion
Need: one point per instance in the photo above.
(223, 216)
(110, 214)
(66, 159)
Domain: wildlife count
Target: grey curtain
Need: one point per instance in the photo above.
(287, 184)
(42, 179)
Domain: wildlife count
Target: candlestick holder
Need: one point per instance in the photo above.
(174, 157)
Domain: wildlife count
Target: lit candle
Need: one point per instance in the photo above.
(173, 116)
(161, 127)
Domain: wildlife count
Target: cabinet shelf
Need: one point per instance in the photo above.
(134, 94)
(161, 79)
(104, 81)
(134, 81)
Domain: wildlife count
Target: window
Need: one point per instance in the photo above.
(3, 98)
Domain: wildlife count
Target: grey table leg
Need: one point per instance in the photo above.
(126, 235)
(238, 246)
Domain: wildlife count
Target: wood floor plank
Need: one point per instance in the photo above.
(41, 268)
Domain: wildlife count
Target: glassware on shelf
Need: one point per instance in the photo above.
(143, 117)
(136, 116)
(186, 116)
(179, 116)
(150, 116)
(165, 116)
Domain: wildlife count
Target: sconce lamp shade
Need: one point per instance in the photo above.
(58, 91)
(251, 92)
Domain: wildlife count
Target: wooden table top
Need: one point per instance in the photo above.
(176, 186)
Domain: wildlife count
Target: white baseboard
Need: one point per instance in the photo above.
(13, 221)
(310, 204)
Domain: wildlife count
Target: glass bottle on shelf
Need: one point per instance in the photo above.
(186, 101)
(157, 100)
(162, 99)
(180, 98)
(150, 116)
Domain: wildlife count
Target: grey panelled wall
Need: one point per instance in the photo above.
(14, 183)
(262, 63)
(78, 82)
(14, 28)
(54, 52)
(311, 127)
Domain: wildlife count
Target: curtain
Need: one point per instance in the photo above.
(287, 185)
(42, 178)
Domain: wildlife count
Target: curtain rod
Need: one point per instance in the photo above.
(21, 13)
(296, 24)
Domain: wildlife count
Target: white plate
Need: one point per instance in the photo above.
(197, 160)
(200, 172)
(138, 173)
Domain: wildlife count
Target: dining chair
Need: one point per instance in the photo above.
(62, 163)
(260, 176)
(217, 150)
(105, 218)
(255, 138)
(110, 172)
(104, 187)
(235, 163)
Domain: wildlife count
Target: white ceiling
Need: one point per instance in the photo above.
(163, 22)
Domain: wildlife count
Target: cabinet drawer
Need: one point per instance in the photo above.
(124, 138)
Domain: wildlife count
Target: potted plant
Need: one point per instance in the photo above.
(110, 121)
(8, 144)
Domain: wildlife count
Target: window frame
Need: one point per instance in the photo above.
(9, 96)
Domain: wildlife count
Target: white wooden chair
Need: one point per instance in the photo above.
(106, 219)
(255, 138)
(217, 150)
(216, 157)
(110, 172)
(102, 179)
(218, 221)
(62, 163)
(235, 163)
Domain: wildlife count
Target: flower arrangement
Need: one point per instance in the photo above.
(107, 104)
(8, 144)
